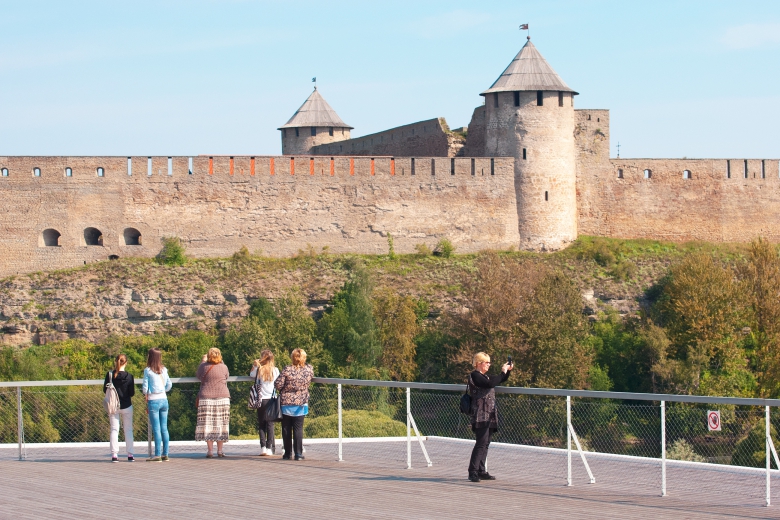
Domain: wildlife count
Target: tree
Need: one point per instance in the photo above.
(397, 325)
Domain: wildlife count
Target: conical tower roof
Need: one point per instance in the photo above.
(315, 111)
(528, 71)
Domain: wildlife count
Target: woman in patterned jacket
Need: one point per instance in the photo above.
(293, 386)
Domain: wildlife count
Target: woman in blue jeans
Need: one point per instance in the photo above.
(156, 384)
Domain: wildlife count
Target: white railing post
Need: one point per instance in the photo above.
(663, 448)
(20, 422)
(568, 439)
(768, 455)
(408, 429)
(340, 424)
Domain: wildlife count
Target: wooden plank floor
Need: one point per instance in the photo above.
(372, 482)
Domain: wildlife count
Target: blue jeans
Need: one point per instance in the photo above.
(158, 419)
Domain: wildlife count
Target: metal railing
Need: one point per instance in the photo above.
(621, 438)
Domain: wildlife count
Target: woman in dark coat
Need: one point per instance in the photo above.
(484, 414)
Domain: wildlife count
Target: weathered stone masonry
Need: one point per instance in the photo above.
(347, 204)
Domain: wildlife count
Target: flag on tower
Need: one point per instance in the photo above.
(314, 79)
(524, 27)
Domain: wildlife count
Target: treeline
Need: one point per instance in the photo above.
(710, 326)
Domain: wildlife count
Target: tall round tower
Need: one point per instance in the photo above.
(530, 116)
(313, 124)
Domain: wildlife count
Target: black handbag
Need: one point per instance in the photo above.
(465, 400)
(273, 410)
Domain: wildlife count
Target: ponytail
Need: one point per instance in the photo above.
(120, 360)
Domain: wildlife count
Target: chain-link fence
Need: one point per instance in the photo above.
(627, 441)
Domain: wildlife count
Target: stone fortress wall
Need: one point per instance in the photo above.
(218, 204)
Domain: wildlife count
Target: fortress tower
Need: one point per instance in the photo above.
(313, 124)
(530, 116)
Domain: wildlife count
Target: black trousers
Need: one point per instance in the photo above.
(480, 451)
(292, 435)
(266, 428)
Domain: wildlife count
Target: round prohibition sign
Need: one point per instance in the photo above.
(713, 420)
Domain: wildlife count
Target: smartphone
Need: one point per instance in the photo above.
(509, 360)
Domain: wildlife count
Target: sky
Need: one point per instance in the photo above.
(681, 79)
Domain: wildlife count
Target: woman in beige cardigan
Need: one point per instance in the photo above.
(213, 403)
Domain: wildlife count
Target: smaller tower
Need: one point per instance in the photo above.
(313, 124)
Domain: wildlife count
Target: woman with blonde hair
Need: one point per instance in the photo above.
(124, 383)
(484, 413)
(156, 384)
(213, 403)
(293, 386)
(265, 373)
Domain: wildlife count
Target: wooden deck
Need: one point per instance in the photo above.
(372, 482)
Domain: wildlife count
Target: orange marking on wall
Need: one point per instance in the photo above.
(272, 166)
(351, 166)
(332, 167)
(372, 166)
(292, 165)
(231, 166)
(252, 166)
(311, 166)
(392, 166)
(211, 166)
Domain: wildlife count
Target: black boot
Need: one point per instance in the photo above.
(486, 476)
(473, 477)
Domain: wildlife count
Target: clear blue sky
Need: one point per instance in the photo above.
(692, 78)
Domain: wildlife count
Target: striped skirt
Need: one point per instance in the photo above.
(213, 420)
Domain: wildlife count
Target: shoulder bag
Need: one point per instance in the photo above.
(273, 410)
(254, 394)
(111, 400)
(465, 400)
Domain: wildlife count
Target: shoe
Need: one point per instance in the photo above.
(300, 457)
(130, 458)
(209, 455)
(286, 457)
(474, 477)
(165, 458)
(486, 476)
(220, 455)
(114, 459)
(265, 452)
(154, 459)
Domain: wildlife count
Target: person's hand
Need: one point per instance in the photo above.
(506, 367)
(204, 358)
(256, 363)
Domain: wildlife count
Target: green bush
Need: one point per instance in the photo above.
(172, 252)
(682, 450)
(751, 450)
(355, 423)
(444, 248)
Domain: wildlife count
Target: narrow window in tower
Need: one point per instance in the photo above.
(728, 169)
(746, 169)
(588, 117)
(492, 166)
(148, 166)
(5, 172)
(648, 174)
(517, 99)
(297, 133)
(189, 165)
(129, 166)
(763, 169)
(413, 166)
(473, 167)
(560, 99)
(598, 119)
(545, 196)
(313, 130)
(495, 100)
(37, 172)
(686, 174)
(100, 172)
(524, 154)
(170, 165)
(539, 97)
(68, 172)
(452, 166)
(433, 166)
(620, 173)
(330, 131)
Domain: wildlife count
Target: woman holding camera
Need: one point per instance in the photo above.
(265, 373)
(156, 384)
(293, 386)
(484, 413)
(213, 403)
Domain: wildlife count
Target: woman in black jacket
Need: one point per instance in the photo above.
(484, 414)
(125, 389)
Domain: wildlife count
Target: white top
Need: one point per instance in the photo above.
(266, 387)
